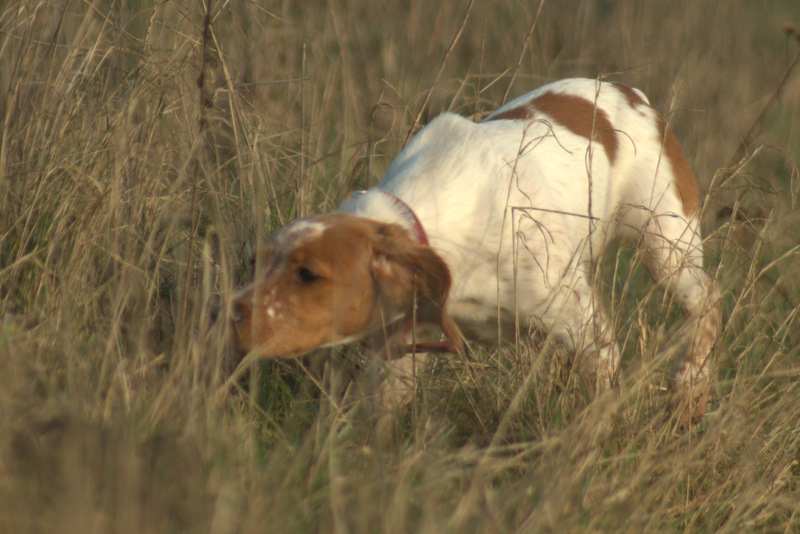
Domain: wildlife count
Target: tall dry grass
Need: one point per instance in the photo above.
(144, 150)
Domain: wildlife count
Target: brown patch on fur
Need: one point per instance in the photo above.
(520, 113)
(634, 99)
(577, 114)
(685, 181)
(581, 117)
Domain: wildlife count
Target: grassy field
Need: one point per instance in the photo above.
(145, 150)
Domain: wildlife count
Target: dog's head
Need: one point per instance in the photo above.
(335, 279)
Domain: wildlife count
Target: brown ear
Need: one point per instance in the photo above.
(404, 269)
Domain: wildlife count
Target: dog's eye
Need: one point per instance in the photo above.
(306, 276)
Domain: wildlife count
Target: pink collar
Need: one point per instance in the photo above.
(408, 213)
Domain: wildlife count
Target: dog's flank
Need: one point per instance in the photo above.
(513, 211)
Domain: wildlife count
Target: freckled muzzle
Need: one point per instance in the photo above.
(242, 326)
(237, 313)
(261, 324)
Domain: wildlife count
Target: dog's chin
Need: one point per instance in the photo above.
(278, 349)
(342, 340)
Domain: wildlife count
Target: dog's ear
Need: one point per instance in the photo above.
(405, 270)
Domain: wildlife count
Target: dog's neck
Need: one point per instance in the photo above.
(417, 231)
(382, 205)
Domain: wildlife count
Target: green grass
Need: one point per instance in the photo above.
(131, 200)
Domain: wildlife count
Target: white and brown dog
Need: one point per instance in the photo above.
(490, 229)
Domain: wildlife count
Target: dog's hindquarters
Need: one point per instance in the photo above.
(661, 214)
(643, 190)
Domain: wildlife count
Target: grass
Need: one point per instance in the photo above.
(131, 197)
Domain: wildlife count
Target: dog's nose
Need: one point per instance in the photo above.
(237, 314)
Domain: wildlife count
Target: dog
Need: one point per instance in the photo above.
(489, 230)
